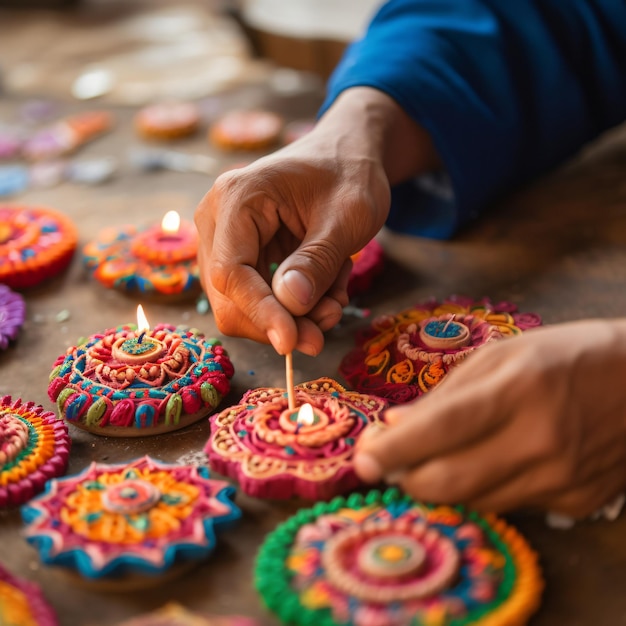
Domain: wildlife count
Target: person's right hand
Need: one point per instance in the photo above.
(305, 209)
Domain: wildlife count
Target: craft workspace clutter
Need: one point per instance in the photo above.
(173, 178)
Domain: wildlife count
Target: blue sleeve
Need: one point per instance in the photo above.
(507, 89)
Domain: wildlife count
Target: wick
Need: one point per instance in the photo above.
(289, 372)
(443, 332)
(140, 338)
(298, 427)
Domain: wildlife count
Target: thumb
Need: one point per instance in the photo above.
(306, 275)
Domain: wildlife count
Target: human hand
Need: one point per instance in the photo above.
(306, 208)
(536, 420)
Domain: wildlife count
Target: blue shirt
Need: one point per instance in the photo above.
(507, 90)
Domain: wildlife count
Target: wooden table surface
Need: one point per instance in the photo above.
(556, 248)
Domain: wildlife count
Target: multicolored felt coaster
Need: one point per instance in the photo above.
(22, 603)
(129, 524)
(35, 243)
(12, 315)
(273, 451)
(34, 447)
(246, 130)
(148, 261)
(173, 614)
(403, 356)
(367, 264)
(126, 383)
(384, 559)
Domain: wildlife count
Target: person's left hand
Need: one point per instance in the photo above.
(537, 420)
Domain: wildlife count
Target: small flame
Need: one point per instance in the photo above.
(142, 320)
(305, 415)
(170, 223)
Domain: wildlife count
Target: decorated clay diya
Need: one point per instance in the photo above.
(403, 356)
(127, 382)
(167, 120)
(159, 262)
(67, 135)
(367, 264)
(34, 447)
(246, 130)
(273, 451)
(384, 559)
(12, 315)
(35, 243)
(173, 614)
(22, 603)
(128, 525)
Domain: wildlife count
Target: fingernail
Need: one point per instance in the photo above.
(274, 337)
(299, 286)
(308, 348)
(367, 467)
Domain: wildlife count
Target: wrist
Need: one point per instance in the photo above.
(371, 123)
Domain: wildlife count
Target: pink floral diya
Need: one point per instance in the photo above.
(402, 356)
(159, 261)
(277, 452)
(128, 525)
(34, 447)
(367, 264)
(131, 381)
(12, 315)
(35, 243)
(22, 603)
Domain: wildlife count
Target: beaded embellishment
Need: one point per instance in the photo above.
(126, 383)
(139, 518)
(35, 243)
(262, 444)
(12, 315)
(22, 603)
(383, 559)
(34, 446)
(403, 356)
(128, 259)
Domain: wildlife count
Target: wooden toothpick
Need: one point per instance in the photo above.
(289, 371)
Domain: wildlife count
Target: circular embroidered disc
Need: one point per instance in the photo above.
(385, 559)
(124, 523)
(274, 452)
(34, 446)
(403, 356)
(12, 315)
(124, 383)
(22, 603)
(168, 120)
(35, 243)
(246, 130)
(146, 261)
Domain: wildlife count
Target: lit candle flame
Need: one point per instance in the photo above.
(170, 223)
(305, 415)
(142, 320)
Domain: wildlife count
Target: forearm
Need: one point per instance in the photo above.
(367, 121)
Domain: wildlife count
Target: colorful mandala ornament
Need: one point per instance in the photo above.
(12, 315)
(367, 264)
(385, 560)
(127, 383)
(146, 261)
(400, 357)
(273, 453)
(34, 447)
(128, 524)
(22, 603)
(35, 243)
